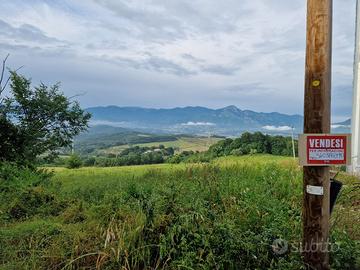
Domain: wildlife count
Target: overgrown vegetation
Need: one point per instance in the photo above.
(223, 215)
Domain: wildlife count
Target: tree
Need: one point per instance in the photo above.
(35, 121)
(90, 161)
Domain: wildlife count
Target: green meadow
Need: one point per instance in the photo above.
(180, 144)
(224, 214)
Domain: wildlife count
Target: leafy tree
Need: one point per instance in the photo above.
(237, 152)
(221, 148)
(89, 161)
(35, 121)
(146, 159)
(156, 158)
(169, 151)
(175, 159)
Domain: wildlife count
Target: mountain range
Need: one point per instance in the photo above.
(227, 121)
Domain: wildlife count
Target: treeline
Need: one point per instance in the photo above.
(247, 143)
(135, 156)
(252, 143)
(89, 143)
(131, 156)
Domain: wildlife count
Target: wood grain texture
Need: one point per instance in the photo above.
(316, 209)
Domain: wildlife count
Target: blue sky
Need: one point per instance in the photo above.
(156, 53)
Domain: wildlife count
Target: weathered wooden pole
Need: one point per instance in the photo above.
(316, 208)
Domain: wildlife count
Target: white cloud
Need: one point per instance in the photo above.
(198, 124)
(340, 126)
(275, 128)
(107, 123)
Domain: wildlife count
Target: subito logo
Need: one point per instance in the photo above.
(280, 246)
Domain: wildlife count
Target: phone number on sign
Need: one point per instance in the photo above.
(326, 154)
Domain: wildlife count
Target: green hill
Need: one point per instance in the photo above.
(102, 137)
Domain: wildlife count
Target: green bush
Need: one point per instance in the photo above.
(14, 177)
(24, 193)
(73, 162)
(34, 201)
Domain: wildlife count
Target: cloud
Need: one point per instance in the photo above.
(190, 57)
(163, 65)
(24, 32)
(340, 126)
(198, 124)
(26, 35)
(221, 70)
(275, 128)
(175, 53)
(108, 123)
(251, 89)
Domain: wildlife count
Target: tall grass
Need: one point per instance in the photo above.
(223, 215)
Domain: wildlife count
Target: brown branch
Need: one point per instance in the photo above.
(3, 72)
(77, 95)
(3, 87)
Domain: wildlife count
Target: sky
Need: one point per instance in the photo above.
(172, 53)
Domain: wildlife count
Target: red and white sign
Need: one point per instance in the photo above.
(324, 149)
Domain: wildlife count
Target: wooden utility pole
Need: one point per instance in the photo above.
(316, 208)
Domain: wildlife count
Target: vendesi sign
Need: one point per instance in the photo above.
(324, 149)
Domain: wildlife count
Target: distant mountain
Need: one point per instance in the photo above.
(227, 121)
(99, 130)
(345, 123)
(342, 127)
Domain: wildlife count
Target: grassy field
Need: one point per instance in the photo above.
(181, 144)
(222, 215)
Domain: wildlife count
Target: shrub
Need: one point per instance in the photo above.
(23, 193)
(33, 201)
(73, 162)
(14, 177)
